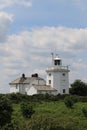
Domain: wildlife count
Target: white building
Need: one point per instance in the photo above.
(57, 81)
(58, 76)
(31, 85)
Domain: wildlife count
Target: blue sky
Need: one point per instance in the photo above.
(31, 29)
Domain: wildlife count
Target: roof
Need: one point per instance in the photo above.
(44, 88)
(30, 79)
(57, 58)
(18, 81)
(25, 80)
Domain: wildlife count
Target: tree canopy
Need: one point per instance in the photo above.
(78, 87)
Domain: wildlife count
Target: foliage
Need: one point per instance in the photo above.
(5, 111)
(69, 102)
(27, 110)
(84, 110)
(78, 88)
(50, 112)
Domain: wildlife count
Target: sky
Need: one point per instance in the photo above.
(30, 30)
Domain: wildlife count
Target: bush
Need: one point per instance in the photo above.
(27, 110)
(5, 111)
(84, 110)
(68, 102)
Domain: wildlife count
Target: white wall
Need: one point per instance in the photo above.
(58, 80)
(38, 82)
(32, 91)
(14, 88)
(22, 88)
(64, 82)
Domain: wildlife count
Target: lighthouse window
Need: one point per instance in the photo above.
(57, 62)
(63, 74)
(49, 81)
(64, 90)
(49, 74)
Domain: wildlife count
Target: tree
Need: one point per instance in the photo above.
(78, 88)
(27, 110)
(5, 111)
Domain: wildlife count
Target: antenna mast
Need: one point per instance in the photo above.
(52, 57)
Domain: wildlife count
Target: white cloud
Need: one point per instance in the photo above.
(7, 3)
(5, 22)
(30, 51)
(40, 41)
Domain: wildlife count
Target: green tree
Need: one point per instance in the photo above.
(5, 111)
(27, 109)
(78, 87)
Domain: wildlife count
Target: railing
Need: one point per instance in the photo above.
(58, 68)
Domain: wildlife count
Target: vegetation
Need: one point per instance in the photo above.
(5, 111)
(84, 110)
(45, 112)
(27, 110)
(79, 88)
(68, 102)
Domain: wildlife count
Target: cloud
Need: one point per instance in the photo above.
(32, 47)
(5, 22)
(30, 51)
(38, 42)
(7, 3)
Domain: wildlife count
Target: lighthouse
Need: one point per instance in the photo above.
(58, 76)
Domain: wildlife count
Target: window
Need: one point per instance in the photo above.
(63, 74)
(49, 74)
(16, 86)
(49, 81)
(64, 90)
(57, 62)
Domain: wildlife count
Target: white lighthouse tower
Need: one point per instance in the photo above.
(58, 76)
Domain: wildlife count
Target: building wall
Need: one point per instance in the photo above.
(38, 82)
(22, 88)
(44, 92)
(59, 81)
(32, 91)
(49, 78)
(64, 82)
(14, 88)
(34, 82)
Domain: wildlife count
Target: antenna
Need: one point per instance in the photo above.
(52, 57)
(57, 55)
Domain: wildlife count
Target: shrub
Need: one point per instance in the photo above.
(68, 102)
(5, 111)
(27, 110)
(84, 110)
